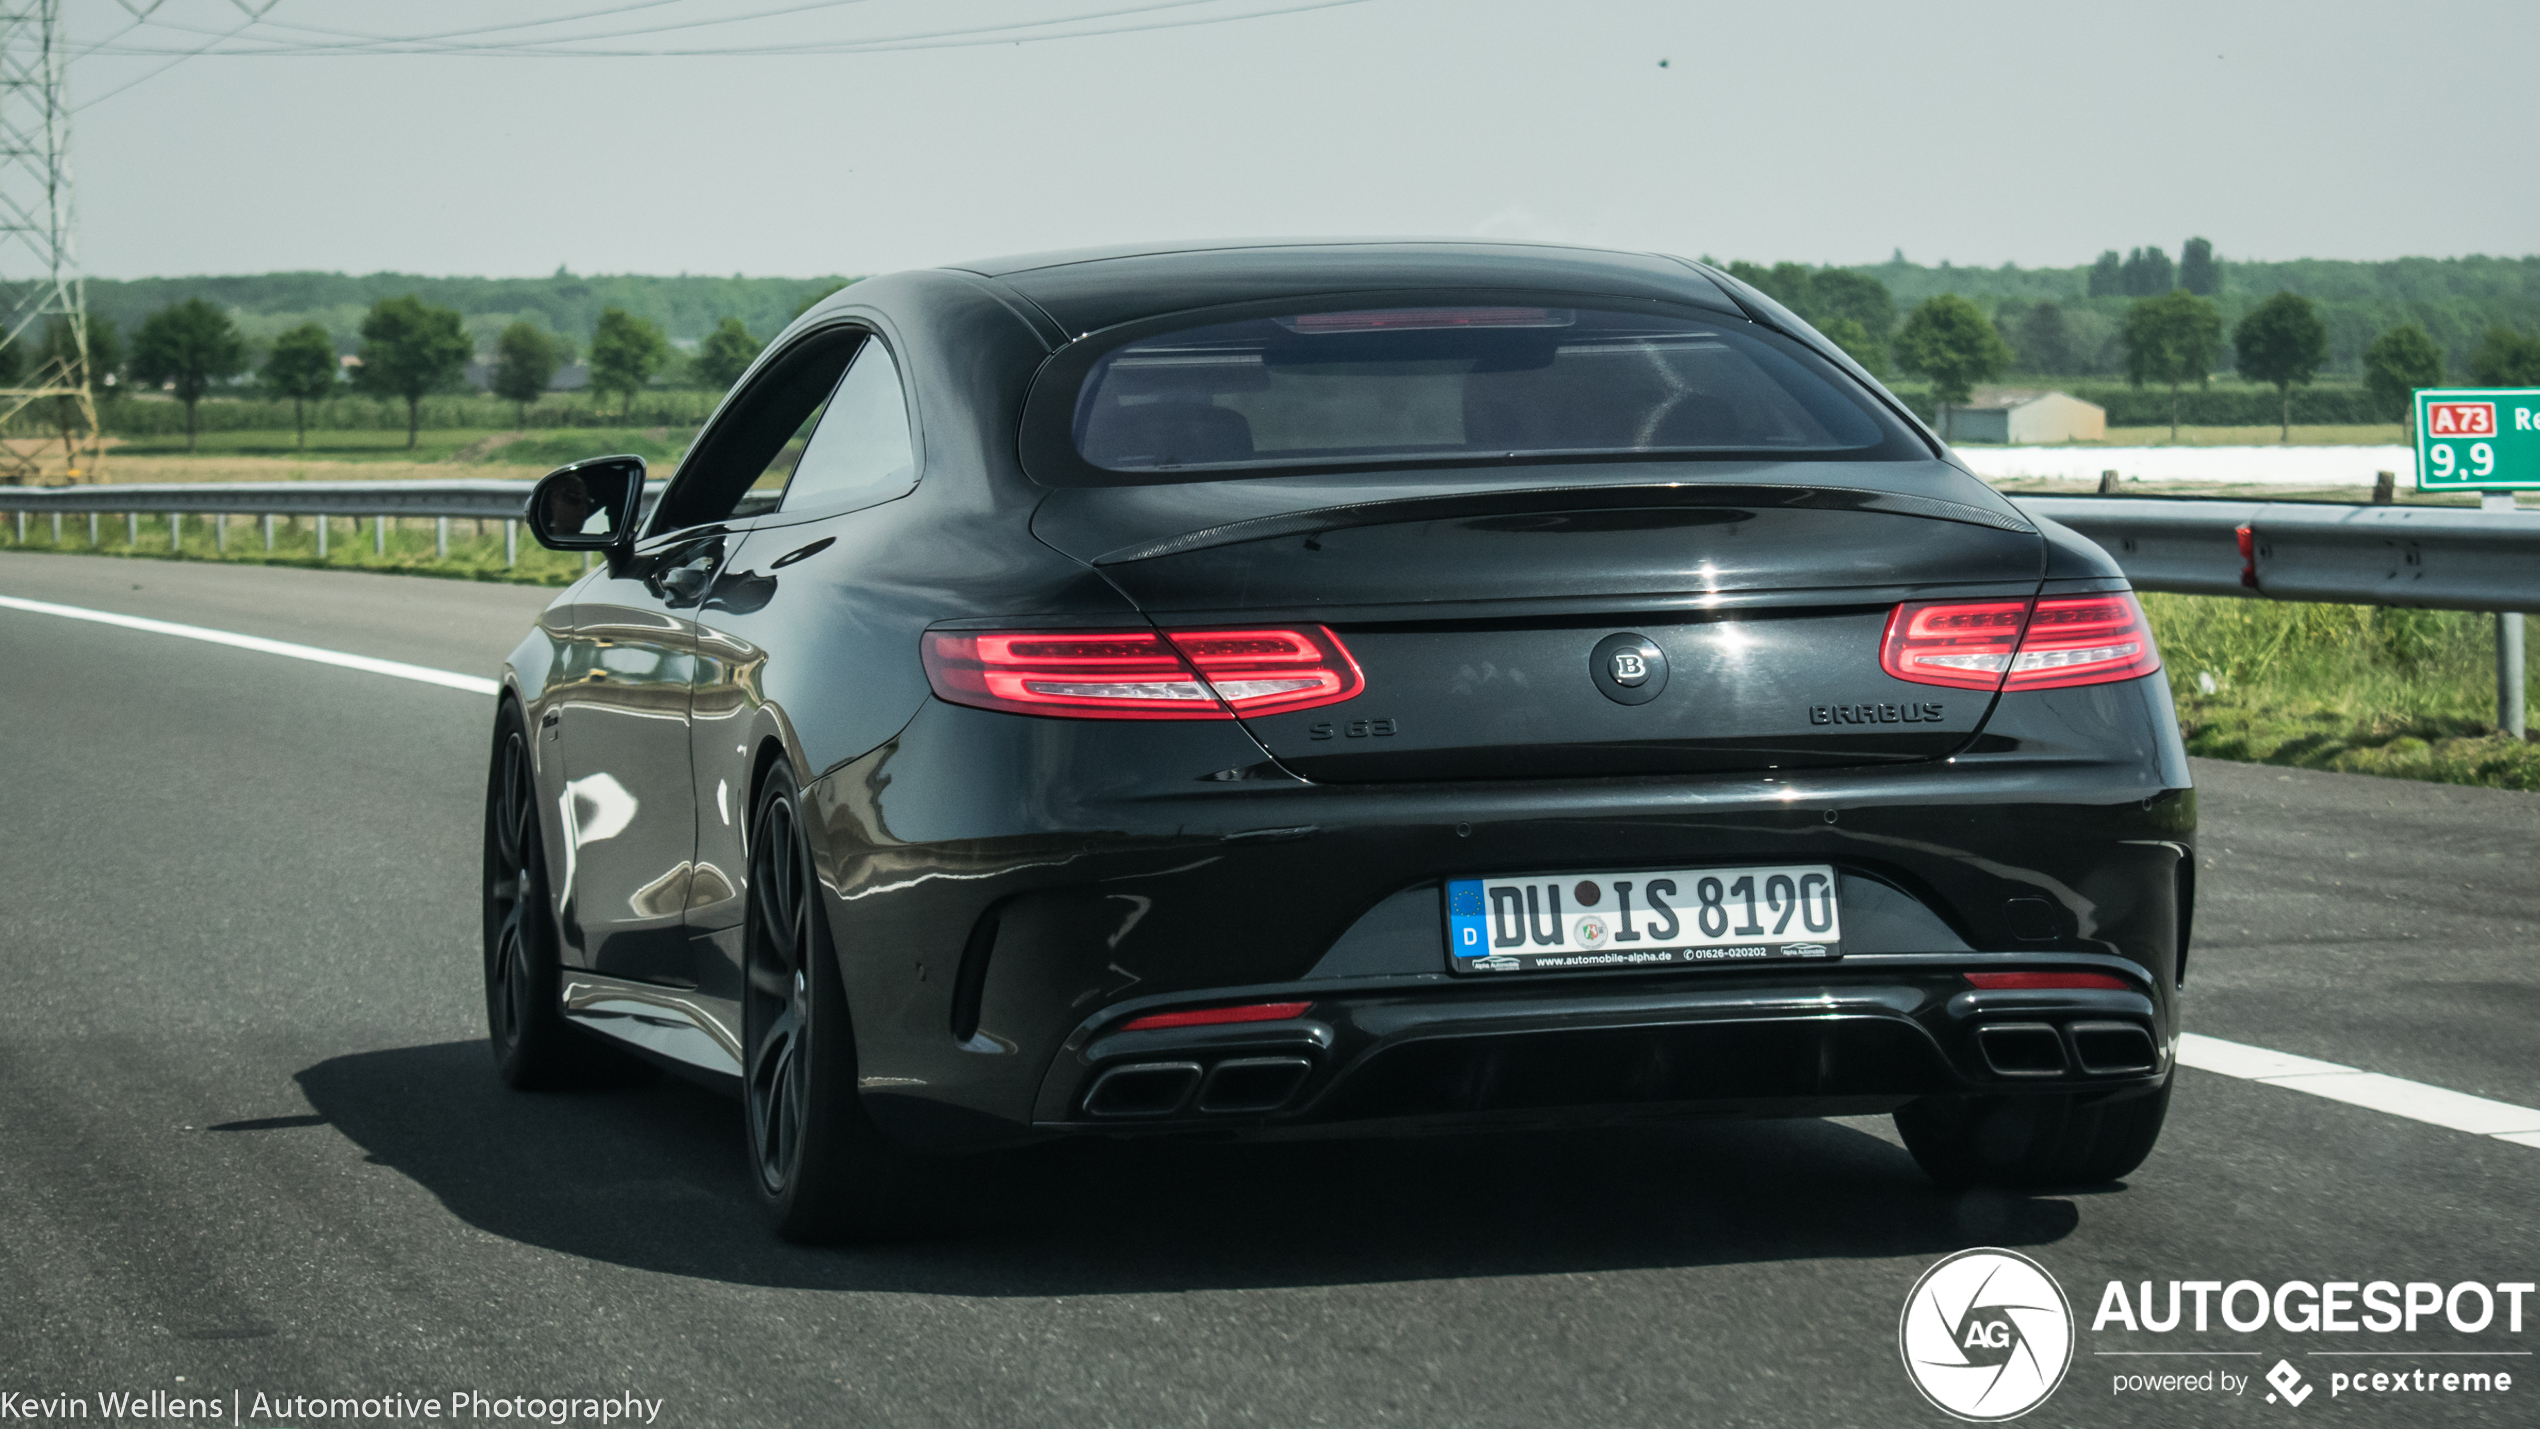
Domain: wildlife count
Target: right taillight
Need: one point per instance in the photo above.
(2051, 643)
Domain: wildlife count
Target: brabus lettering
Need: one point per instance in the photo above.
(1919, 712)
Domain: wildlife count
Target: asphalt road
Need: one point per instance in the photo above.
(250, 1140)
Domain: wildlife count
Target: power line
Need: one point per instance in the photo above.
(565, 47)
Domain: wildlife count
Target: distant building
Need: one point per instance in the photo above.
(2025, 418)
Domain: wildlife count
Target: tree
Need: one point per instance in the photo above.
(2147, 273)
(410, 349)
(2198, 273)
(1848, 334)
(726, 353)
(302, 367)
(2282, 341)
(2107, 276)
(188, 346)
(526, 357)
(2398, 363)
(1952, 342)
(2506, 358)
(2172, 339)
(625, 353)
(2044, 341)
(1840, 293)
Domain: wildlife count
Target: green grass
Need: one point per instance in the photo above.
(2408, 694)
(411, 550)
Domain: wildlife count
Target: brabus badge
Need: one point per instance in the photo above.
(1628, 669)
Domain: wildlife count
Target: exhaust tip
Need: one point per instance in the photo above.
(1252, 1084)
(2021, 1049)
(2111, 1048)
(1142, 1089)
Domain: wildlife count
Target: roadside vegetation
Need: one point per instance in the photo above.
(2407, 694)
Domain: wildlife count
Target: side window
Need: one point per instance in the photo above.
(741, 467)
(860, 452)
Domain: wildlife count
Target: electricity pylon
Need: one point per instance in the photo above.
(43, 303)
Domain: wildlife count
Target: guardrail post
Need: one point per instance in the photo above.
(132, 528)
(92, 530)
(379, 534)
(511, 543)
(2509, 712)
(321, 529)
(220, 532)
(268, 530)
(21, 528)
(57, 528)
(176, 530)
(441, 538)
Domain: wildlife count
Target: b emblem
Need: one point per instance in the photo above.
(1628, 669)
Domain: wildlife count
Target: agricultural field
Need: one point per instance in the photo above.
(382, 456)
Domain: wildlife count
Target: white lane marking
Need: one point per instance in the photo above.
(2416, 1101)
(473, 684)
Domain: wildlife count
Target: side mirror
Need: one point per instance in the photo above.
(589, 506)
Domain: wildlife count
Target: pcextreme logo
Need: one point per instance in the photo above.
(1986, 1335)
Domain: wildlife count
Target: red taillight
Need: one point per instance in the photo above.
(1963, 643)
(1214, 1016)
(2030, 982)
(2050, 644)
(1180, 674)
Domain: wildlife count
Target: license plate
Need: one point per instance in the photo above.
(1549, 922)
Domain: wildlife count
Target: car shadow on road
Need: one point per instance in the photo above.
(652, 1176)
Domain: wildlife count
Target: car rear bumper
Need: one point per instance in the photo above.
(1862, 1036)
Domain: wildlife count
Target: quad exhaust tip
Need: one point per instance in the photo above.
(2038, 1049)
(1234, 1087)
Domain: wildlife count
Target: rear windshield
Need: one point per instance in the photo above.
(1396, 384)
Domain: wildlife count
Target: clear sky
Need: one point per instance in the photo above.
(1830, 131)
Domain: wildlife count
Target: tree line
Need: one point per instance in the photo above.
(409, 349)
(2170, 333)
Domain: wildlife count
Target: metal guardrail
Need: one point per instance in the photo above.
(2435, 558)
(2438, 558)
(2430, 557)
(484, 499)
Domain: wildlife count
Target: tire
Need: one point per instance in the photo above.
(534, 1047)
(823, 1170)
(2031, 1140)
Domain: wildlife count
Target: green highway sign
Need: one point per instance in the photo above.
(2478, 439)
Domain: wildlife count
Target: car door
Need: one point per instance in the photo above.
(629, 811)
(861, 451)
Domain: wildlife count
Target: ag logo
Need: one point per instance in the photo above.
(1986, 1335)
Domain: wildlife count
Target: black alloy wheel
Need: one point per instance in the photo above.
(823, 1169)
(533, 1045)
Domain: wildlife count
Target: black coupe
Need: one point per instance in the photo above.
(1328, 689)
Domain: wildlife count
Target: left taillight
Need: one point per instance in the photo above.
(2052, 643)
(1177, 674)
